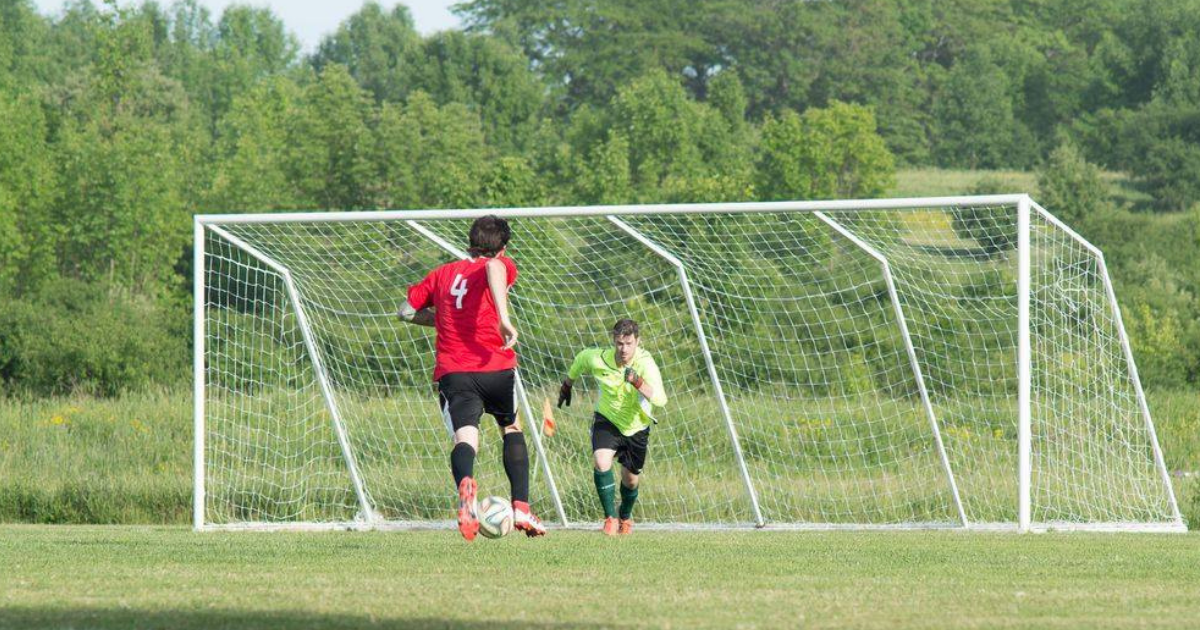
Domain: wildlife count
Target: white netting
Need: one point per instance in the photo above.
(806, 342)
(1093, 452)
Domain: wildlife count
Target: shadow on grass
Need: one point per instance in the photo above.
(81, 618)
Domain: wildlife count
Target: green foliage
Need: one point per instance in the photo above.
(429, 156)
(89, 338)
(1070, 187)
(27, 184)
(662, 127)
(824, 154)
(512, 183)
(251, 44)
(604, 174)
(376, 47)
(974, 114)
(1156, 340)
(254, 150)
(488, 76)
(331, 144)
(588, 50)
(122, 121)
(127, 155)
(1171, 170)
(1158, 284)
(655, 144)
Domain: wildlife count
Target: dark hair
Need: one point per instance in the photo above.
(625, 327)
(489, 234)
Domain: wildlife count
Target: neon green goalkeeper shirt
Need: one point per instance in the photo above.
(623, 405)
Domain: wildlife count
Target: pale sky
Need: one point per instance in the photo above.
(312, 19)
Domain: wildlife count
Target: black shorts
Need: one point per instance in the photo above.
(465, 396)
(631, 449)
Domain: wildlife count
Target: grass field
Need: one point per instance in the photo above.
(125, 577)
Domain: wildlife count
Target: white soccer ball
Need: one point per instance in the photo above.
(495, 517)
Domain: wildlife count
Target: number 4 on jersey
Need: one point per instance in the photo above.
(458, 289)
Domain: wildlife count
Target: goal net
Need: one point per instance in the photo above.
(955, 362)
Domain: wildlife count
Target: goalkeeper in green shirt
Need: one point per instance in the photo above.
(630, 389)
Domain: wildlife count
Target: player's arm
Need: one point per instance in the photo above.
(576, 370)
(417, 309)
(423, 317)
(497, 276)
(649, 384)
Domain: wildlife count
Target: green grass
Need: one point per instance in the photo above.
(94, 460)
(123, 577)
(933, 182)
(128, 460)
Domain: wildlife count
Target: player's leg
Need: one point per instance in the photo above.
(516, 466)
(499, 389)
(632, 457)
(605, 441)
(461, 408)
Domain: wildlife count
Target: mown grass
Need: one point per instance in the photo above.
(144, 577)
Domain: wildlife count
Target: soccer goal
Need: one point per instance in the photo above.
(907, 363)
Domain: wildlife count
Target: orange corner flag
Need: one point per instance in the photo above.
(548, 425)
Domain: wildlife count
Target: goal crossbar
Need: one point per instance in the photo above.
(835, 205)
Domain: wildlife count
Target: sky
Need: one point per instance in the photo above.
(312, 19)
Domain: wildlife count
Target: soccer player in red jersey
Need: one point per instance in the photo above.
(467, 303)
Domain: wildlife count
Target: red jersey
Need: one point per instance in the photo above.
(466, 320)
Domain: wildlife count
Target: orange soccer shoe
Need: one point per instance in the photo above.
(524, 520)
(610, 526)
(468, 522)
(625, 527)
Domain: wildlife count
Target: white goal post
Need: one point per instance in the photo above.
(948, 362)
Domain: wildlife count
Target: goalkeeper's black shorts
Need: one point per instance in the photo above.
(631, 449)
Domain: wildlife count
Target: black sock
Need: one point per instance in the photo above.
(516, 465)
(462, 462)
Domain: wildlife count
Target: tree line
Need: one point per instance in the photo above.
(120, 122)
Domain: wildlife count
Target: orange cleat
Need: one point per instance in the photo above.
(524, 520)
(625, 527)
(468, 522)
(610, 526)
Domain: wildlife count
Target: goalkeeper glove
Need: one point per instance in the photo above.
(564, 394)
(632, 378)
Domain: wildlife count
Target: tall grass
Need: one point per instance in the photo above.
(96, 460)
(129, 460)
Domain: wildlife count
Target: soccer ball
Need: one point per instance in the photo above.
(495, 517)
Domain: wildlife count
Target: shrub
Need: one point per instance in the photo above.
(1069, 186)
(77, 337)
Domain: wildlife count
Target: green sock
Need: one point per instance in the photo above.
(628, 498)
(606, 488)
